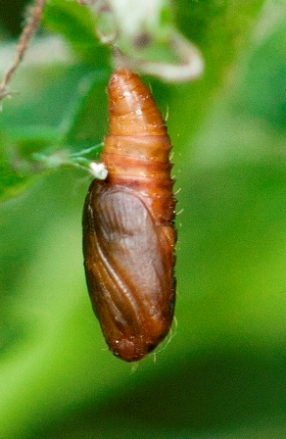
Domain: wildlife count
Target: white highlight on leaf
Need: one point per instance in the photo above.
(141, 15)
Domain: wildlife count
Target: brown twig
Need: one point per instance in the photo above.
(25, 37)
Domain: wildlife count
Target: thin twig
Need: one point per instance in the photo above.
(25, 37)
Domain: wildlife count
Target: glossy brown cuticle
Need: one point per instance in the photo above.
(128, 224)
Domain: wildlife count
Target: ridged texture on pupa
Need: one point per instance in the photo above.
(128, 224)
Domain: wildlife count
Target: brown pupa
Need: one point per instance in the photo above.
(128, 224)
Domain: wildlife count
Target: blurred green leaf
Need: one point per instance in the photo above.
(77, 25)
(56, 109)
(11, 182)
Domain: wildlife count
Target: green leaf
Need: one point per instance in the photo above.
(49, 115)
(77, 25)
(11, 183)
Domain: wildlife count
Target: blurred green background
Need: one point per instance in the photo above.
(223, 373)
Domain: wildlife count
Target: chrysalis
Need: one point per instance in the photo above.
(128, 224)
